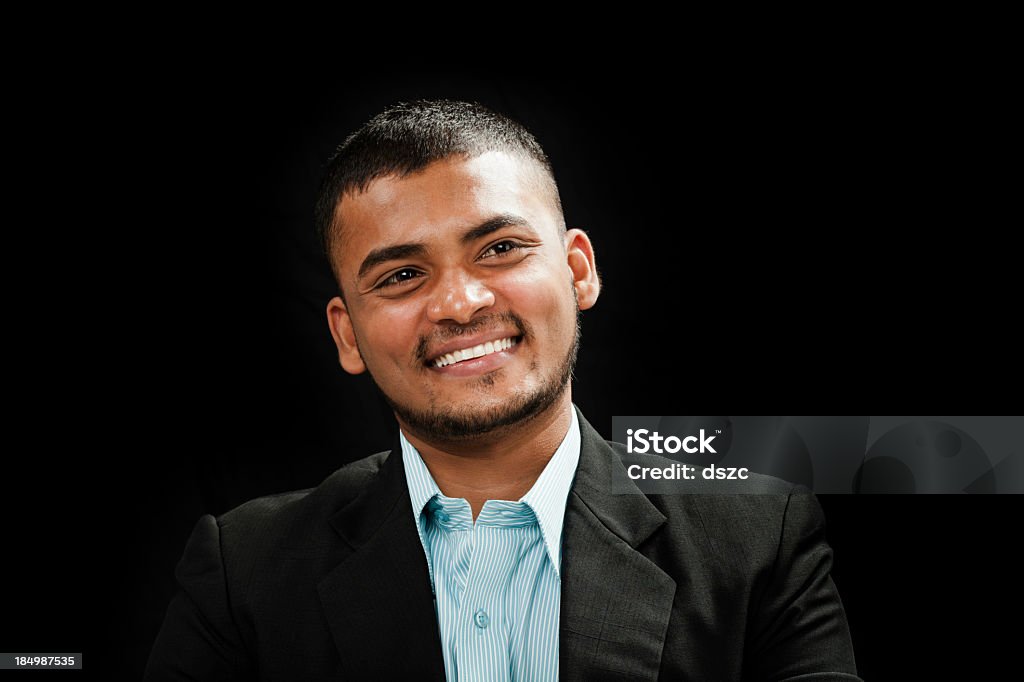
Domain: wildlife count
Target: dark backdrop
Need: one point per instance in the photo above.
(777, 240)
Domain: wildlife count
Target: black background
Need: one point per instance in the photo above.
(793, 238)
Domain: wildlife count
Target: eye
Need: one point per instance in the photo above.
(399, 277)
(501, 249)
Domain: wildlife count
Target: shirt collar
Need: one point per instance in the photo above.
(547, 497)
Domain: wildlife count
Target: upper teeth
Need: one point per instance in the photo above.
(474, 351)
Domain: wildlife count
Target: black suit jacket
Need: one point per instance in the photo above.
(332, 584)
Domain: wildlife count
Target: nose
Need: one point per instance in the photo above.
(458, 297)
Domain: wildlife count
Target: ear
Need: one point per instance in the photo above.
(344, 336)
(580, 253)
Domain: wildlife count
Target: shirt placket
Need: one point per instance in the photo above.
(482, 631)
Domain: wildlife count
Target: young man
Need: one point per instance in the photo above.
(487, 543)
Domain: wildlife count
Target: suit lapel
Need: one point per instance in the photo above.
(378, 601)
(616, 603)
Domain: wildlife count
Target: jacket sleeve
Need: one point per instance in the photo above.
(799, 628)
(199, 639)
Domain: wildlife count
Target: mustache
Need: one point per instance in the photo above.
(453, 331)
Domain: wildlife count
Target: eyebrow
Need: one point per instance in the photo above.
(492, 225)
(413, 249)
(386, 253)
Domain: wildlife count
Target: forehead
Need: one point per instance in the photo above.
(447, 196)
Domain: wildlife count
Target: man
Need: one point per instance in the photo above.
(487, 543)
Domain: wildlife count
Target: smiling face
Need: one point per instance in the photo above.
(461, 294)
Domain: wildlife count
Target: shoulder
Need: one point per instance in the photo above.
(296, 521)
(736, 531)
(264, 556)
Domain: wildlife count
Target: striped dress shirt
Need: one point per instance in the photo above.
(497, 582)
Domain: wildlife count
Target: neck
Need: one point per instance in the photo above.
(499, 465)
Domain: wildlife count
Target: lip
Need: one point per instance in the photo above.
(468, 342)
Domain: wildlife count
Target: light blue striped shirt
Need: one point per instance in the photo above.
(496, 582)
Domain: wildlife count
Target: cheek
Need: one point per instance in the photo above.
(544, 299)
(391, 337)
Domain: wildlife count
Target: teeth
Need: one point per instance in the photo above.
(476, 351)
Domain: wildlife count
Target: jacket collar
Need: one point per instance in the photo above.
(615, 603)
(377, 600)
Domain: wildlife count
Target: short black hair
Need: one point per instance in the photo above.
(407, 137)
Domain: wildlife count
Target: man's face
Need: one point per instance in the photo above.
(461, 293)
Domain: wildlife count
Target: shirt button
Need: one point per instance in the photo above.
(481, 619)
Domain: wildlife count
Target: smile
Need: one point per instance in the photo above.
(476, 351)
